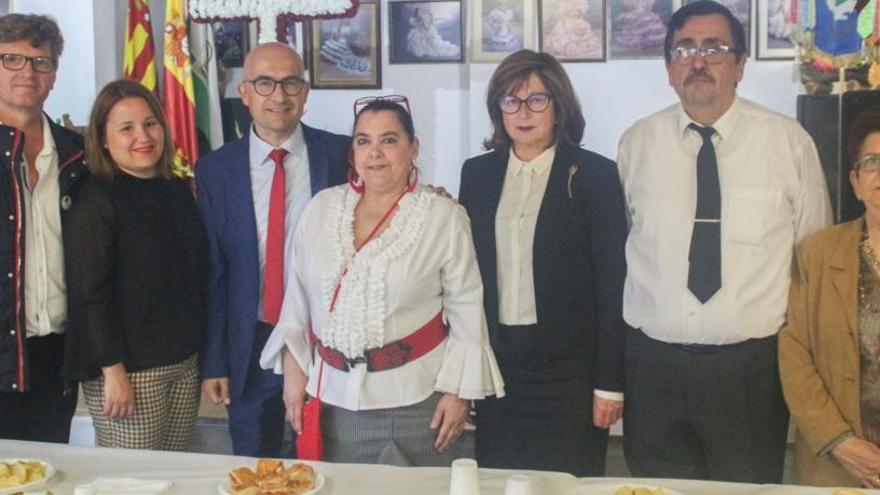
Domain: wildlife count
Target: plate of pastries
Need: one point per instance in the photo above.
(272, 477)
(18, 475)
(624, 489)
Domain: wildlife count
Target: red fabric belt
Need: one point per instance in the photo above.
(392, 355)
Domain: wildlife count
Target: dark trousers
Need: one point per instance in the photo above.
(704, 412)
(42, 414)
(545, 419)
(256, 419)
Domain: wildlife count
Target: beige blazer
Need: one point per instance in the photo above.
(819, 350)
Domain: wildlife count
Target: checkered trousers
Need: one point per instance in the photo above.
(165, 410)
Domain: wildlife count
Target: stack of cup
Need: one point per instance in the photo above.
(519, 484)
(465, 479)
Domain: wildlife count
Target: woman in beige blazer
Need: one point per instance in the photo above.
(829, 351)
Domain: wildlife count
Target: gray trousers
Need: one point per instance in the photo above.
(398, 436)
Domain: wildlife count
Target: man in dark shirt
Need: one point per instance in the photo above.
(41, 166)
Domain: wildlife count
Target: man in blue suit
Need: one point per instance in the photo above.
(237, 187)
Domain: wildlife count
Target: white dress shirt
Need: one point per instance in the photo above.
(515, 221)
(45, 290)
(297, 192)
(773, 194)
(424, 262)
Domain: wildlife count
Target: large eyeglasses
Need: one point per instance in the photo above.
(712, 54)
(868, 163)
(537, 102)
(265, 86)
(363, 101)
(14, 61)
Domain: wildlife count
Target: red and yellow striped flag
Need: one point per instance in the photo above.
(180, 100)
(139, 51)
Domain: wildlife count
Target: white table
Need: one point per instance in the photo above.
(199, 474)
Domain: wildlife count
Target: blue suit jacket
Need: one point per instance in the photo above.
(226, 205)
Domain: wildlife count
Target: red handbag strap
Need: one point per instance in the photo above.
(368, 239)
(320, 376)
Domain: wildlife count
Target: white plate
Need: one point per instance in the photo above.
(610, 488)
(224, 489)
(50, 471)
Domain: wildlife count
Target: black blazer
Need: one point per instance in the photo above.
(578, 261)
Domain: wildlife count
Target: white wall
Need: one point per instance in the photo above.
(447, 99)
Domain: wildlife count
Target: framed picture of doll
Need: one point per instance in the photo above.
(425, 32)
(501, 27)
(345, 53)
(638, 27)
(774, 30)
(572, 30)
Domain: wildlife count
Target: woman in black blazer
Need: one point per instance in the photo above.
(549, 226)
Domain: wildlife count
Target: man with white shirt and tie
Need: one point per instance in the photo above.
(250, 195)
(719, 190)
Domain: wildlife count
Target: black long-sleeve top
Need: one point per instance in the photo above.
(135, 259)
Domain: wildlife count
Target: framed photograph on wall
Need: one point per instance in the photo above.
(774, 28)
(742, 10)
(501, 27)
(346, 53)
(293, 36)
(638, 27)
(572, 30)
(232, 42)
(425, 32)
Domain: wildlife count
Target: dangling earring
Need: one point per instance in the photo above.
(355, 181)
(413, 179)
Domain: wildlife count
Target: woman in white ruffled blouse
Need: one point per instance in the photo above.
(378, 263)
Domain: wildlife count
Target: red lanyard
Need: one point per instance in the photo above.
(368, 239)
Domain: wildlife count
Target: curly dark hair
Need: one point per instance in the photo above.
(36, 29)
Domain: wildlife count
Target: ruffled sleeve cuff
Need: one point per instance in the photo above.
(272, 358)
(470, 372)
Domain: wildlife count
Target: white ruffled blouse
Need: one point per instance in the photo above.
(423, 263)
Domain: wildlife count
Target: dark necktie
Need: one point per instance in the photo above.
(704, 275)
(273, 278)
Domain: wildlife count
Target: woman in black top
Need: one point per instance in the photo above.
(135, 261)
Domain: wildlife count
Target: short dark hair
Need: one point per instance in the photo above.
(36, 29)
(867, 122)
(511, 74)
(100, 162)
(705, 7)
(380, 105)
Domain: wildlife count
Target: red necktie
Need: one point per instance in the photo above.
(273, 289)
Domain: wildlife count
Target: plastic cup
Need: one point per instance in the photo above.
(465, 478)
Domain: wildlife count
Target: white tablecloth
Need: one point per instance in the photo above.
(200, 474)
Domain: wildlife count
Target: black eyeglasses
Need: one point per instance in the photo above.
(537, 102)
(712, 54)
(14, 61)
(265, 86)
(363, 101)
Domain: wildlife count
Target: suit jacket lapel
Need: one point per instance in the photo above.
(554, 202)
(493, 183)
(240, 199)
(319, 169)
(845, 276)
